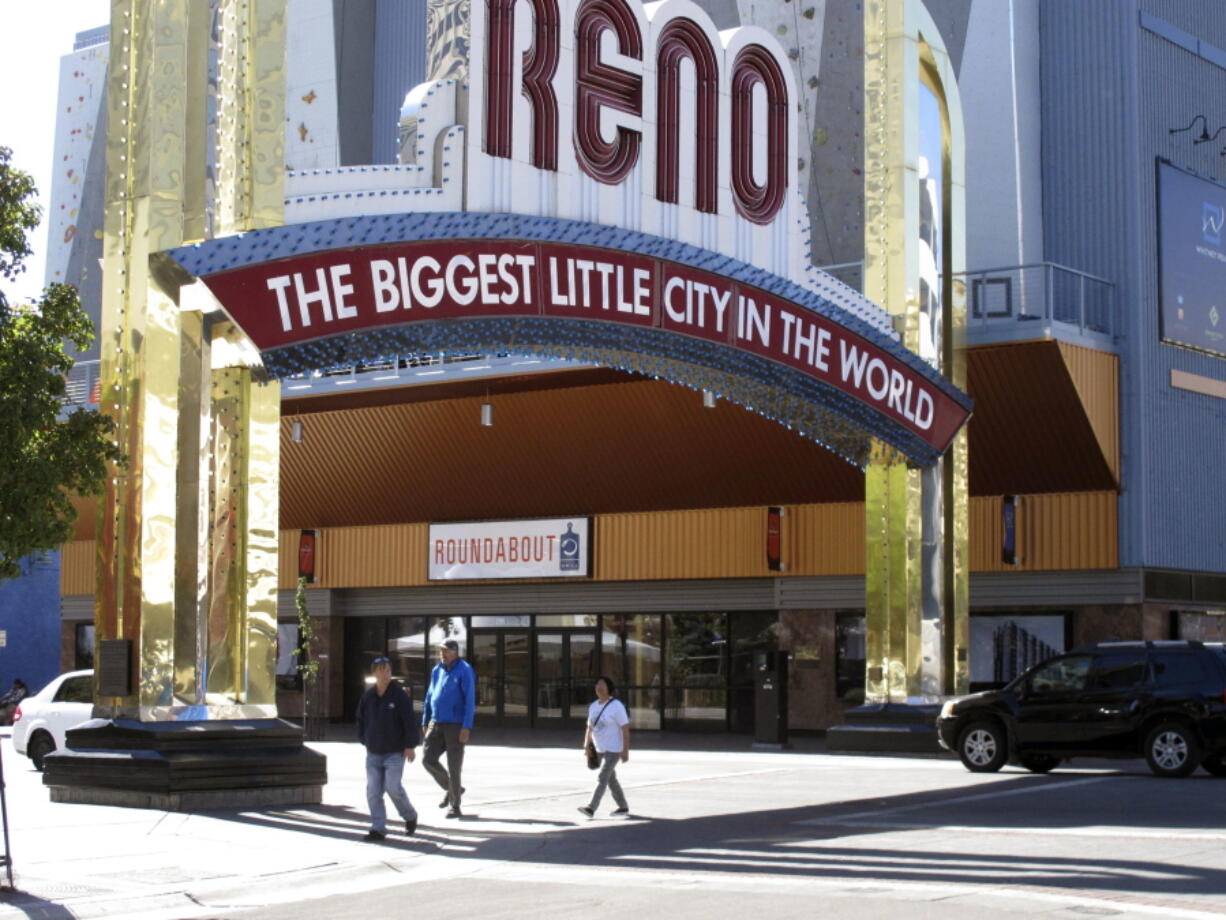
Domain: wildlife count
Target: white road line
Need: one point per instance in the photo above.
(942, 803)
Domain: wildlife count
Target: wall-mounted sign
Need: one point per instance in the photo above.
(306, 555)
(1192, 259)
(774, 527)
(538, 548)
(324, 294)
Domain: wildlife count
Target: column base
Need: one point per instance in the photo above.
(899, 728)
(186, 766)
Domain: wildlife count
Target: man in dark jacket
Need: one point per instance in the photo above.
(388, 730)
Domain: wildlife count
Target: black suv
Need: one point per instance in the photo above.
(1164, 701)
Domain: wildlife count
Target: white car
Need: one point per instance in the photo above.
(40, 721)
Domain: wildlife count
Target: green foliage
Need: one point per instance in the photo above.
(308, 663)
(46, 456)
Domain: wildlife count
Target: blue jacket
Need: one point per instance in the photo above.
(452, 694)
(385, 723)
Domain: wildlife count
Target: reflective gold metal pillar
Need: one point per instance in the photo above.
(187, 537)
(916, 587)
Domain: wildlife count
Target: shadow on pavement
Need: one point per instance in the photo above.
(823, 841)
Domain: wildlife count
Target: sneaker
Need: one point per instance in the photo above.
(447, 798)
(621, 811)
(585, 810)
(375, 836)
(410, 825)
(454, 813)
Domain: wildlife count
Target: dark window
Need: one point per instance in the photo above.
(83, 659)
(849, 658)
(1182, 669)
(76, 690)
(1063, 675)
(1119, 670)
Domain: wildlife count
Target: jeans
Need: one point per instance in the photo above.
(444, 737)
(383, 775)
(608, 777)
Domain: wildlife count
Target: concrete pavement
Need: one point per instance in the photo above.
(715, 830)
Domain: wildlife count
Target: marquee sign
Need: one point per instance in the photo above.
(326, 294)
(615, 183)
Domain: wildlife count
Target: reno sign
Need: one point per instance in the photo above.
(612, 183)
(642, 116)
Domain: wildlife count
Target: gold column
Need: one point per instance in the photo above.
(902, 51)
(140, 343)
(242, 627)
(199, 423)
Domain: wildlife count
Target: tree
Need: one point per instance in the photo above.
(47, 455)
(308, 668)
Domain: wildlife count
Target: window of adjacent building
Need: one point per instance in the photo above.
(849, 656)
(84, 655)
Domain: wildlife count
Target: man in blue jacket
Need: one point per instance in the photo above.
(388, 730)
(447, 716)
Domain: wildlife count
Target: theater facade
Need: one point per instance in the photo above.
(564, 383)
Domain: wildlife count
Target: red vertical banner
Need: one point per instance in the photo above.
(774, 539)
(306, 555)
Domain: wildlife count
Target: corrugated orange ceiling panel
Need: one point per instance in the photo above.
(632, 445)
(1030, 432)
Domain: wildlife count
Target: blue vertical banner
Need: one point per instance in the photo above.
(1192, 259)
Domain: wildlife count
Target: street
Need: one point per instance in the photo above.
(712, 833)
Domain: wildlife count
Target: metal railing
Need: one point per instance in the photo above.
(1043, 291)
(1000, 300)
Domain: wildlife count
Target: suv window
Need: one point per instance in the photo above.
(1064, 675)
(1119, 670)
(1182, 669)
(76, 690)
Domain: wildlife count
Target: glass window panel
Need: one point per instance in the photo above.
(642, 636)
(613, 651)
(565, 619)
(696, 704)
(696, 649)
(643, 704)
(517, 673)
(550, 678)
(76, 690)
(491, 622)
(484, 659)
(849, 657)
(1064, 675)
(84, 657)
(1119, 670)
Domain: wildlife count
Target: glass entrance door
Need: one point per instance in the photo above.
(502, 660)
(566, 662)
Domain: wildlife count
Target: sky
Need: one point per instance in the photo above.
(33, 38)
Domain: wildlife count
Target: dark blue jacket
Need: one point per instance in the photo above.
(452, 694)
(385, 723)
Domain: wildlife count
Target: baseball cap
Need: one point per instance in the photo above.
(450, 644)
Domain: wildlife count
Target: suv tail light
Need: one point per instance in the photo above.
(17, 711)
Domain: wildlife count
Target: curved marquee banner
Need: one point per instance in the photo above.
(285, 303)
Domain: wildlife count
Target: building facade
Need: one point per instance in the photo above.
(715, 533)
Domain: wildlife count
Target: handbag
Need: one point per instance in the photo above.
(589, 749)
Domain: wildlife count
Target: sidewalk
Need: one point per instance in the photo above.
(99, 861)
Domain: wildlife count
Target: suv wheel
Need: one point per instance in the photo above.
(982, 747)
(1171, 749)
(1039, 763)
(1215, 764)
(39, 747)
